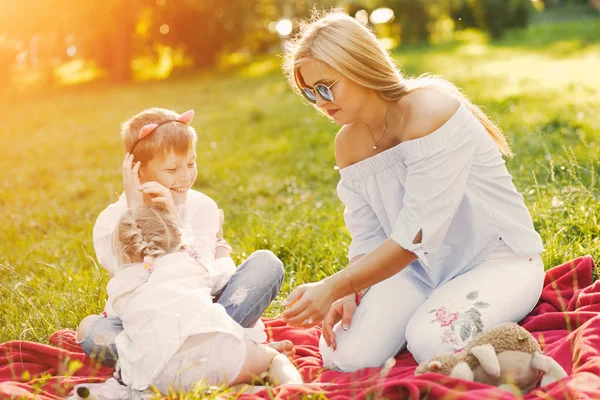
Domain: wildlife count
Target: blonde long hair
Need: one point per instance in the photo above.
(343, 43)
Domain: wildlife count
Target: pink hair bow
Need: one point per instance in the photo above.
(184, 118)
(148, 261)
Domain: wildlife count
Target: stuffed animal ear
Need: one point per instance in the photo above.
(434, 366)
(462, 371)
(552, 370)
(486, 354)
(186, 117)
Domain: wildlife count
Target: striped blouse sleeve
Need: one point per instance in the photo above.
(365, 229)
(438, 168)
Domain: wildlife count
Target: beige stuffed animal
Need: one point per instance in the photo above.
(507, 356)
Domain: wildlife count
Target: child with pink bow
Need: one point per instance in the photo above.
(160, 168)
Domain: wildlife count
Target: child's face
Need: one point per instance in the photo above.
(176, 172)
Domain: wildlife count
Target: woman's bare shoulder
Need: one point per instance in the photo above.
(427, 110)
(344, 145)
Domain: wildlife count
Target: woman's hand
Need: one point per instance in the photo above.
(343, 309)
(308, 304)
(131, 181)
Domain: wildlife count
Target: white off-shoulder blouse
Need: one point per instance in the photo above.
(453, 186)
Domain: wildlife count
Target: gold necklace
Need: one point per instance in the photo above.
(376, 142)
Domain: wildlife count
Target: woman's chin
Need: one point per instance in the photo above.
(337, 120)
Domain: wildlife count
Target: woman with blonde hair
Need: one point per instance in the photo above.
(443, 245)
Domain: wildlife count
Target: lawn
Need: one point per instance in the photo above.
(267, 159)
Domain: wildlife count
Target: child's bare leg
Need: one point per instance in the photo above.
(258, 359)
(285, 347)
(261, 359)
(283, 372)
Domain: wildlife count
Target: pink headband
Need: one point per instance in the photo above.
(184, 118)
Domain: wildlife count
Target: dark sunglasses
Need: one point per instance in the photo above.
(323, 90)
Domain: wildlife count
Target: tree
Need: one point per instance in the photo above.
(414, 19)
(492, 16)
(101, 29)
(203, 28)
(105, 30)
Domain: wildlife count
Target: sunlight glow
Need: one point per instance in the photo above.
(538, 5)
(22, 56)
(164, 29)
(362, 16)
(382, 15)
(71, 51)
(284, 27)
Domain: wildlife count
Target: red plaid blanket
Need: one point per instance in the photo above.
(566, 322)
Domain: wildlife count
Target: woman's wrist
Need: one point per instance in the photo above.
(343, 283)
(339, 285)
(359, 295)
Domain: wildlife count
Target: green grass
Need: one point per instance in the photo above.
(267, 159)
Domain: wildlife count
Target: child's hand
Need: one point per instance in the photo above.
(131, 181)
(160, 194)
(221, 219)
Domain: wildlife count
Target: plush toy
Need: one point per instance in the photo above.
(507, 356)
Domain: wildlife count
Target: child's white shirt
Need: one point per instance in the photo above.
(161, 308)
(200, 217)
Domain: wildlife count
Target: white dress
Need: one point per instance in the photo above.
(174, 335)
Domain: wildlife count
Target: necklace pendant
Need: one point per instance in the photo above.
(375, 147)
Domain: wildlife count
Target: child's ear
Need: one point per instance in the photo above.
(141, 176)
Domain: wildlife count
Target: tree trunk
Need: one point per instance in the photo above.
(121, 53)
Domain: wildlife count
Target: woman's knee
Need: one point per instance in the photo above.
(422, 343)
(354, 354)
